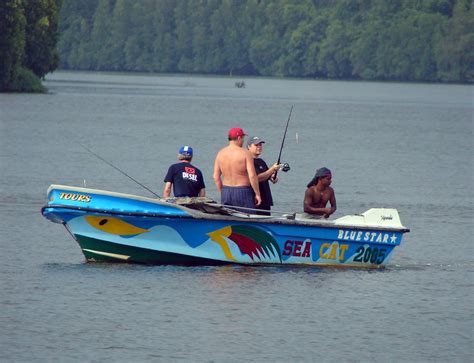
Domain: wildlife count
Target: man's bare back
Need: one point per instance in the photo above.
(234, 167)
(232, 163)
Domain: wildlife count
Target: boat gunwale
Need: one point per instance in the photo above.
(198, 215)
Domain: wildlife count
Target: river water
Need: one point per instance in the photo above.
(406, 146)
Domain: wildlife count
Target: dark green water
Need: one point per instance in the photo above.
(407, 146)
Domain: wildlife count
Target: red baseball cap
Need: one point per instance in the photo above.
(235, 132)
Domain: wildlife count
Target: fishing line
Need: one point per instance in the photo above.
(121, 171)
(286, 166)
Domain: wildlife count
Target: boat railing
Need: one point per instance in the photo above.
(241, 211)
(209, 206)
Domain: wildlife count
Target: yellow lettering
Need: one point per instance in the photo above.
(333, 253)
(342, 250)
(78, 197)
(321, 253)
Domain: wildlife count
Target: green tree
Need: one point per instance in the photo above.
(306, 30)
(138, 45)
(455, 49)
(119, 31)
(41, 35)
(364, 49)
(215, 56)
(405, 51)
(12, 42)
(28, 36)
(164, 45)
(235, 37)
(267, 47)
(334, 56)
(101, 40)
(75, 43)
(184, 36)
(413, 40)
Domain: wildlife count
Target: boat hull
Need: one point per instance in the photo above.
(149, 231)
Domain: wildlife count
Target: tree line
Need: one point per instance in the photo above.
(28, 37)
(402, 40)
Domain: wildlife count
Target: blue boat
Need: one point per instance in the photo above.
(117, 227)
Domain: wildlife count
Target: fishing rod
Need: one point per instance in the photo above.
(124, 173)
(285, 166)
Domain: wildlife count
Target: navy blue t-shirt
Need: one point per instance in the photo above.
(264, 186)
(187, 180)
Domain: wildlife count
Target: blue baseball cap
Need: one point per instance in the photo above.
(186, 150)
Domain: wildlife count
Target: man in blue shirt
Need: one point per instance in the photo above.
(186, 179)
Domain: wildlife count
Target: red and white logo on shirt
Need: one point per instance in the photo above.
(189, 173)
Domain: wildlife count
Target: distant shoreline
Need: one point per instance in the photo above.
(241, 77)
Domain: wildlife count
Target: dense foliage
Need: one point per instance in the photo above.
(29, 33)
(409, 40)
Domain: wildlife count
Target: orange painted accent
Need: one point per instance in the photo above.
(342, 250)
(114, 226)
(218, 237)
(321, 254)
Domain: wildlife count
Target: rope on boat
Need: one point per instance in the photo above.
(235, 208)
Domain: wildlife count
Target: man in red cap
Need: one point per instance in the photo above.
(234, 174)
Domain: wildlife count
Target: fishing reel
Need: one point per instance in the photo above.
(285, 167)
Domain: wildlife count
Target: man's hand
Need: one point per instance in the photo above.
(327, 212)
(275, 167)
(258, 200)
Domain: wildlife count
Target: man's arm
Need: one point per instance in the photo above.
(167, 190)
(217, 174)
(332, 200)
(268, 173)
(253, 178)
(202, 192)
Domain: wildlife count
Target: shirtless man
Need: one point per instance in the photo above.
(319, 193)
(239, 183)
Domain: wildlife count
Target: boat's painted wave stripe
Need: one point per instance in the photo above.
(109, 249)
(108, 254)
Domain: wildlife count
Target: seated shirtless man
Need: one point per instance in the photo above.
(319, 193)
(234, 174)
